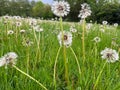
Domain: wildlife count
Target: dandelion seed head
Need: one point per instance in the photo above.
(115, 24)
(104, 22)
(65, 38)
(27, 43)
(22, 31)
(73, 30)
(97, 39)
(60, 8)
(10, 32)
(110, 55)
(18, 24)
(6, 17)
(9, 58)
(85, 11)
(38, 28)
(32, 22)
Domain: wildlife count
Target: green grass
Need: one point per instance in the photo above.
(41, 65)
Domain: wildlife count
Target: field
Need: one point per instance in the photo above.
(41, 56)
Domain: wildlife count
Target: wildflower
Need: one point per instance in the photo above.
(61, 8)
(65, 38)
(37, 28)
(85, 11)
(6, 17)
(110, 55)
(27, 43)
(5, 22)
(113, 43)
(97, 39)
(88, 26)
(10, 32)
(56, 18)
(81, 21)
(32, 22)
(22, 31)
(72, 29)
(104, 22)
(9, 58)
(115, 24)
(102, 29)
(17, 17)
(18, 24)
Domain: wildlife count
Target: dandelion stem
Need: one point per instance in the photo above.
(64, 53)
(28, 61)
(30, 77)
(76, 60)
(95, 52)
(55, 67)
(37, 40)
(83, 40)
(99, 76)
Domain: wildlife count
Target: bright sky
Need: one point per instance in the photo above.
(44, 1)
(47, 1)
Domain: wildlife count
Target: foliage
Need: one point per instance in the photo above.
(109, 12)
(42, 10)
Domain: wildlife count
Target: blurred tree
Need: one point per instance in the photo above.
(47, 12)
(38, 9)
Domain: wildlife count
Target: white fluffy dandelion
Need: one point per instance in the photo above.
(110, 55)
(115, 24)
(9, 58)
(89, 26)
(10, 32)
(104, 22)
(85, 11)
(60, 8)
(65, 38)
(22, 31)
(38, 28)
(6, 17)
(27, 43)
(18, 24)
(32, 22)
(97, 39)
(73, 30)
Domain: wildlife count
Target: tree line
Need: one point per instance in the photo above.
(108, 10)
(25, 8)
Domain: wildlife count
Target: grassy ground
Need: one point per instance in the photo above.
(38, 59)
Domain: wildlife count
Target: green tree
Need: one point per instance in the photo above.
(38, 9)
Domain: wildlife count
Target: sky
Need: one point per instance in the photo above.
(45, 1)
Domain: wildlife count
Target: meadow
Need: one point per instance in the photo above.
(41, 56)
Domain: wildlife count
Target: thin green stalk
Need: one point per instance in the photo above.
(6, 77)
(38, 53)
(55, 67)
(28, 61)
(37, 41)
(30, 77)
(77, 61)
(94, 88)
(64, 53)
(6, 30)
(83, 40)
(16, 33)
(95, 53)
